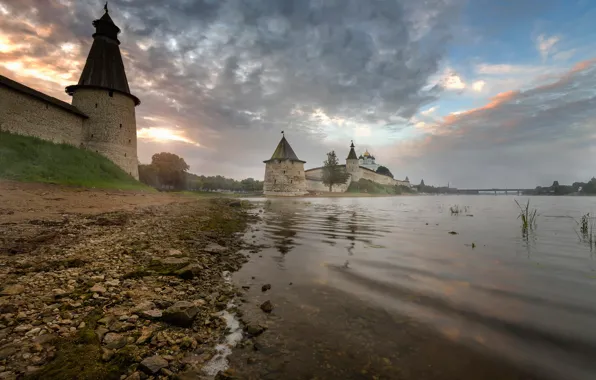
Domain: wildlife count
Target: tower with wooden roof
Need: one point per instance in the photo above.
(353, 164)
(102, 93)
(284, 172)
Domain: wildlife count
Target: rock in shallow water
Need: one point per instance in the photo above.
(267, 306)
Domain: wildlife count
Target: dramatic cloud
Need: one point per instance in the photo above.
(219, 69)
(219, 79)
(545, 133)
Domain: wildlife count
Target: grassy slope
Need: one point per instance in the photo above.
(370, 187)
(30, 159)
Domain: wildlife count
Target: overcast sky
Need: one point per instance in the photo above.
(476, 93)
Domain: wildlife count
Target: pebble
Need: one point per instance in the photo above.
(97, 288)
(265, 287)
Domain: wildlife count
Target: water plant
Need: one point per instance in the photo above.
(457, 209)
(528, 216)
(586, 230)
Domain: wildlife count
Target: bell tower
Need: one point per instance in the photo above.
(103, 94)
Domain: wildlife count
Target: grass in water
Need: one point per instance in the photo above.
(29, 159)
(586, 230)
(527, 215)
(457, 209)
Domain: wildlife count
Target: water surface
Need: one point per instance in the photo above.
(377, 272)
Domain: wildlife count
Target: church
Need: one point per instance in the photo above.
(101, 117)
(285, 174)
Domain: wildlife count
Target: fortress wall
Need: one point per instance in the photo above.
(111, 128)
(319, 187)
(378, 178)
(314, 174)
(284, 178)
(27, 115)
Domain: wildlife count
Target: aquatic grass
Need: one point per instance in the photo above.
(528, 216)
(457, 209)
(586, 230)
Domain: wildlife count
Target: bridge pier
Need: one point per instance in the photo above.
(506, 192)
(495, 192)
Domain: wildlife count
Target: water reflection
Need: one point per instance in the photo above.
(522, 295)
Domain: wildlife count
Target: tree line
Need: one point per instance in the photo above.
(582, 188)
(168, 171)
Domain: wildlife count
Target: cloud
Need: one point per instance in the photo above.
(546, 45)
(452, 81)
(231, 69)
(518, 138)
(478, 85)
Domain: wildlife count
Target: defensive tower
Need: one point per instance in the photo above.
(353, 165)
(284, 172)
(102, 93)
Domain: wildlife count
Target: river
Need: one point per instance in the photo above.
(399, 287)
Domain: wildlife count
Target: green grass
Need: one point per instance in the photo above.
(527, 215)
(29, 159)
(368, 186)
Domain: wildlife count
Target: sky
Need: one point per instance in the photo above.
(477, 93)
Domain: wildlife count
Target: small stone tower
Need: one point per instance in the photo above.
(284, 172)
(103, 94)
(352, 164)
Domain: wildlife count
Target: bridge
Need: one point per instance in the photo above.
(494, 190)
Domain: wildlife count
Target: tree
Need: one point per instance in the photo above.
(171, 169)
(148, 175)
(385, 171)
(333, 174)
(422, 183)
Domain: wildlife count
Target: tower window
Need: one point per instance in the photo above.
(95, 105)
(129, 141)
(111, 93)
(284, 172)
(92, 135)
(274, 181)
(291, 181)
(120, 125)
(124, 154)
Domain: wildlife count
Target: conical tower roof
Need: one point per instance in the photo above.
(352, 154)
(284, 152)
(104, 67)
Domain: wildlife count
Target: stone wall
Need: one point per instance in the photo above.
(378, 178)
(315, 185)
(27, 115)
(111, 128)
(284, 178)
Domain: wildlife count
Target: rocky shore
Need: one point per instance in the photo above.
(133, 294)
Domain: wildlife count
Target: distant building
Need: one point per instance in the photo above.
(285, 174)
(367, 160)
(101, 117)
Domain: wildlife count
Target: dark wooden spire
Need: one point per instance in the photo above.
(284, 152)
(104, 67)
(352, 154)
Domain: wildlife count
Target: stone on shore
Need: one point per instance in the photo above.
(153, 364)
(182, 314)
(12, 290)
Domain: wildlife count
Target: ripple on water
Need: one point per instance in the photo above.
(528, 299)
